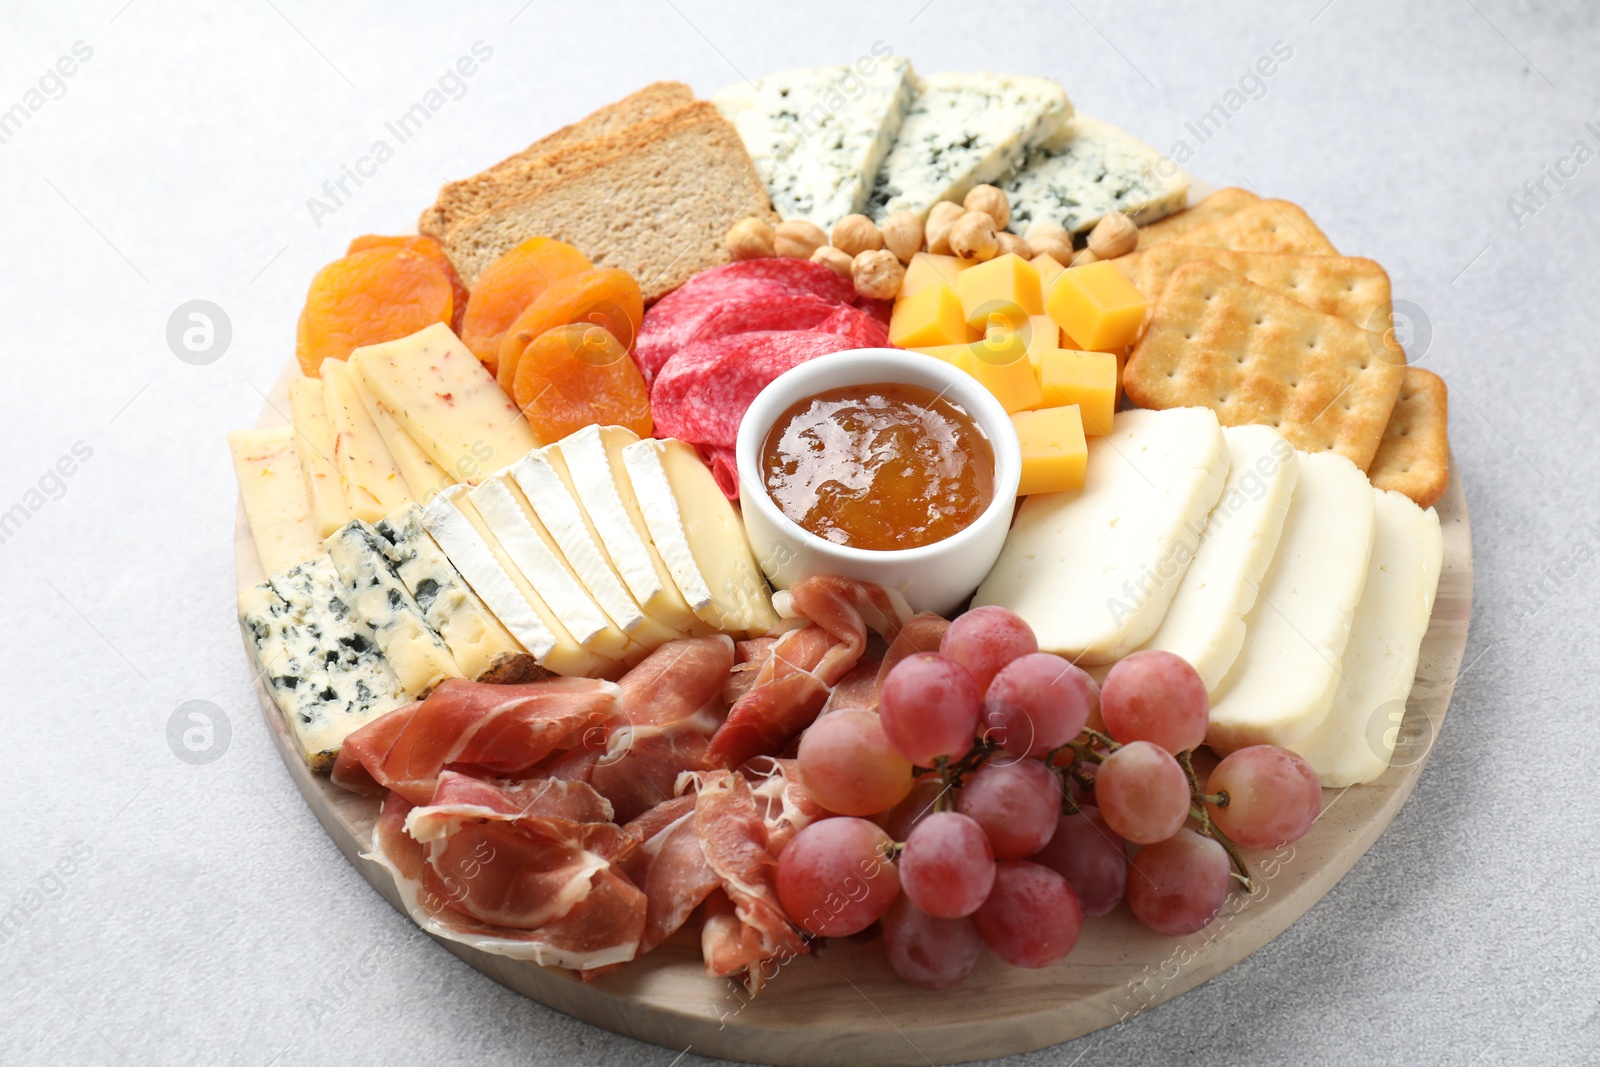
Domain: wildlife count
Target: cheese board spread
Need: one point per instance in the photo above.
(931, 589)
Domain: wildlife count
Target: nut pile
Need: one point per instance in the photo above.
(875, 257)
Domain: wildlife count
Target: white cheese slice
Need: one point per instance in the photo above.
(699, 536)
(1089, 170)
(818, 136)
(314, 443)
(1205, 622)
(964, 130)
(1283, 682)
(372, 482)
(423, 476)
(274, 494)
(418, 655)
(1355, 743)
(482, 647)
(447, 402)
(1093, 570)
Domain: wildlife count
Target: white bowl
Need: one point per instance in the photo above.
(935, 577)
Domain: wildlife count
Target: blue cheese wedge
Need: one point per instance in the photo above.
(319, 661)
(818, 136)
(964, 130)
(1088, 171)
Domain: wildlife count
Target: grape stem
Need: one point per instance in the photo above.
(1202, 815)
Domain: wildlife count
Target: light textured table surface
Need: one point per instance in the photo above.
(153, 911)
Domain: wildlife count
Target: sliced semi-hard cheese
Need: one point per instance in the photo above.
(699, 536)
(418, 655)
(591, 462)
(274, 495)
(481, 646)
(964, 130)
(372, 482)
(818, 136)
(447, 402)
(1205, 623)
(314, 443)
(1355, 743)
(1093, 571)
(1283, 682)
(423, 476)
(1089, 170)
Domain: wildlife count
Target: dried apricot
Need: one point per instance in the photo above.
(380, 294)
(580, 375)
(427, 246)
(510, 284)
(608, 298)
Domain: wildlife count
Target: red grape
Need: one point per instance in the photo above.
(899, 820)
(848, 765)
(1092, 859)
(929, 706)
(1273, 796)
(1032, 917)
(985, 639)
(947, 867)
(1177, 886)
(835, 878)
(1036, 703)
(1156, 696)
(1142, 792)
(927, 951)
(1015, 801)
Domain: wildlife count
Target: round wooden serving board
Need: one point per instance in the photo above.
(844, 1005)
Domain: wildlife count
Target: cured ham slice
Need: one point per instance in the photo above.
(785, 804)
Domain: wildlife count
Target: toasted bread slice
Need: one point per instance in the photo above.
(655, 201)
(520, 173)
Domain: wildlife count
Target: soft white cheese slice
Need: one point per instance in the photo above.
(274, 494)
(1355, 743)
(1093, 570)
(314, 443)
(1283, 682)
(1089, 170)
(1205, 622)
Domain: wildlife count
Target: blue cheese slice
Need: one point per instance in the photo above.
(818, 136)
(964, 130)
(1088, 171)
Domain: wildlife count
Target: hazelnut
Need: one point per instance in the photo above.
(1085, 256)
(797, 238)
(973, 237)
(941, 219)
(829, 256)
(902, 235)
(991, 201)
(1113, 236)
(1011, 244)
(855, 234)
(750, 239)
(1052, 240)
(878, 274)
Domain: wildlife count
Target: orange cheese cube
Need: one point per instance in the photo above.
(1087, 379)
(1000, 361)
(1097, 306)
(925, 269)
(931, 317)
(1049, 269)
(956, 354)
(1003, 292)
(1055, 456)
(1040, 333)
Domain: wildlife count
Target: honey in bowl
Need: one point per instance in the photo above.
(881, 467)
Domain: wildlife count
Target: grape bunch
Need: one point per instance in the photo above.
(998, 797)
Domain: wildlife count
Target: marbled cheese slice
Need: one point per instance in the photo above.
(1089, 170)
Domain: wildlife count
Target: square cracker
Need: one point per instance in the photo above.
(1253, 355)
(1414, 456)
(1220, 204)
(1356, 290)
(1265, 226)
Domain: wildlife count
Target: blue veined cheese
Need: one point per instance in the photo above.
(319, 661)
(964, 130)
(418, 655)
(818, 136)
(482, 647)
(1088, 171)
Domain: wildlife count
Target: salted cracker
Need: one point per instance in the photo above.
(1218, 205)
(1414, 455)
(1356, 290)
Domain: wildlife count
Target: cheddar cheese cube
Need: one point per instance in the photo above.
(1000, 361)
(1040, 333)
(956, 354)
(926, 269)
(1049, 269)
(1097, 306)
(931, 317)
(1001, 292)
(1055, 456)
(1087, 379)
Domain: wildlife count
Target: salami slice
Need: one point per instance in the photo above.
(859, 328)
